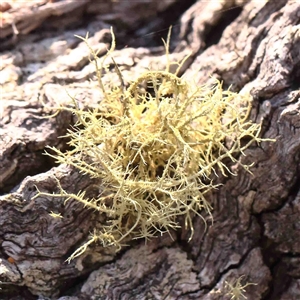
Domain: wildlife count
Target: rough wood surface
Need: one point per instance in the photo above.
(252, 46)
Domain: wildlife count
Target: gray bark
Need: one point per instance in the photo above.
(248, 45)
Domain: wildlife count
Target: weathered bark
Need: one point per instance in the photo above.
(256, 230)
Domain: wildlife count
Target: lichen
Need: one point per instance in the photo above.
(155, 146)
(235, 289)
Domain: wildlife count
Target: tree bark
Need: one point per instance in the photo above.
(252, 47)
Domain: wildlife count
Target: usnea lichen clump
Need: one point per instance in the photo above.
(154, 146)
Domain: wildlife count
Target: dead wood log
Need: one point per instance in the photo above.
(256, 229)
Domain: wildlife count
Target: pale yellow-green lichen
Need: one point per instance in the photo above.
(154, 146)
(236, 290)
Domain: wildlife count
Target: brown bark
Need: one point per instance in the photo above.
(249, 45)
